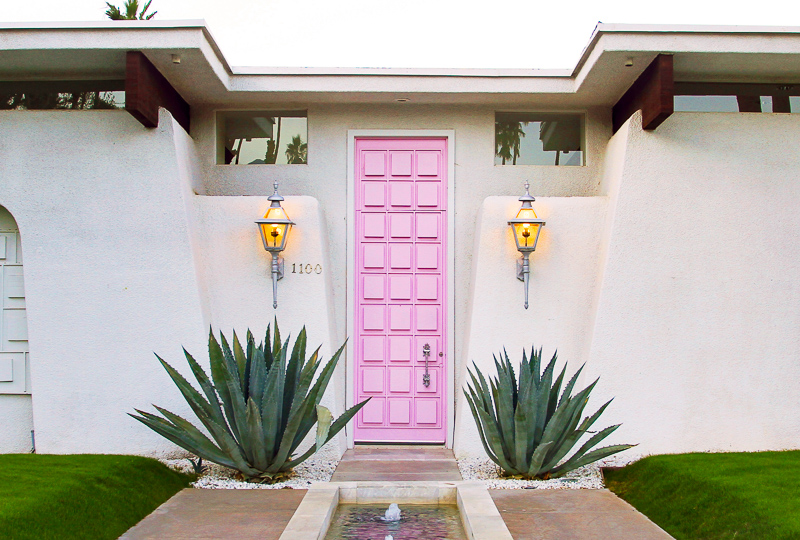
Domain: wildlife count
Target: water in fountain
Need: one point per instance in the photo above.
(416, 522)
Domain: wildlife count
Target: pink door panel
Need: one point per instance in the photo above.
(401, 308)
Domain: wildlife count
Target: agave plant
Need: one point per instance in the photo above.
(525, 428)
(258, 407)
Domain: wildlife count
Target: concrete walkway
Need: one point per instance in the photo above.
(397, 464)
(244, 514)
(572, 514)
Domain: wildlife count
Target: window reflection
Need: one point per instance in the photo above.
(744, 102)
(264, 137)
(42, 95)
(538, 139)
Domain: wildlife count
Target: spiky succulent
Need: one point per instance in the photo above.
(258, 407)
(525, 428)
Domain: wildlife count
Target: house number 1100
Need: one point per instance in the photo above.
(306, 269)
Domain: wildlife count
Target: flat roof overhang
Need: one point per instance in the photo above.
(62, 51)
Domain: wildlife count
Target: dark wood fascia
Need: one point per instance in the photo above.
(653, 93)
(146, 90)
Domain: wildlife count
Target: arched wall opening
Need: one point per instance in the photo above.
(16, 412)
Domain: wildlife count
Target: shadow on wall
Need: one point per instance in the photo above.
(16, 413)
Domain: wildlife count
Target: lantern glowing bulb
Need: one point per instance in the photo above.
(274, 228)
(526, 227)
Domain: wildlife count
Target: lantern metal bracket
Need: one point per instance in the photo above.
(277, 273)
(524, 272)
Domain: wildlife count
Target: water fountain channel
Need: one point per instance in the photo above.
(397, 511)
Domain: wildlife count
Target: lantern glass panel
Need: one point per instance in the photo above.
(276, 212)
(526, 234)
(526, 213)
(274, 235)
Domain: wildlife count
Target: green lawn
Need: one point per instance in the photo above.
(80, 496)
(709, 496)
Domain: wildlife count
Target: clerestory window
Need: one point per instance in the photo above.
(262, 137)
(522, 138)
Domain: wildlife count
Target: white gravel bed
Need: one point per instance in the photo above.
(587, 477)
(317, 468)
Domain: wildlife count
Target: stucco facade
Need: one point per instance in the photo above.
(666, 265)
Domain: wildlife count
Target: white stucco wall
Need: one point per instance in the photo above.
(123, 259)
(109, 271)
(697, 331)
(562, 282)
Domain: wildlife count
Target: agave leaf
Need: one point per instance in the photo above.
(284, 395)
(238, 406)
(524, 381)
(538, 456)
(553, 403)
(241, 363)
(175, 435)
(220, 375)
(594, 440)
(190, 432)
(505, 407)
(591, 457)
(257, 377)
(471, 401)
(276, 343)
(335, 428)
(573, 437)
(307, 410)
(324, 420)
(512, 379)
(288, 439)
(590, 420)
(484, 390)
(267, 348)
(520, 439)
(227, 355)
(570, 385)
(564, 422)
(494, 438)
(206, 386)
(536, 365)
(271, 410)
(255, 436)
(204, 411)
(251, 344)
(293, 369)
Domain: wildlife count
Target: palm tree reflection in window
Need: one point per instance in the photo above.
(297, 151)
(507, 137)
(58, 100)
(530, 138)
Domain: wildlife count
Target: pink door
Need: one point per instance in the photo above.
(401, 220)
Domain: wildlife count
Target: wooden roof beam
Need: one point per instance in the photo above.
(653, 93)
(146, 89)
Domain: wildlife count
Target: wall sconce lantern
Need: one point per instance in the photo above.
(526, 227)
(274, 228)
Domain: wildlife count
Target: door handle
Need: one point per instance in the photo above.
(426, 377)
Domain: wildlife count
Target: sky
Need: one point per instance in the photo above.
(415, 33)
